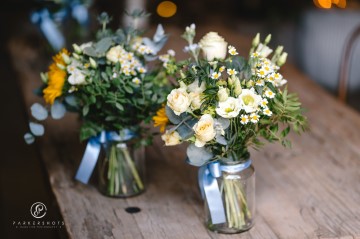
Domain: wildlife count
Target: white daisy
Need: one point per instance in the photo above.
(215, 75)
(232, 51)
(269, 94)
(254, 118)
(231, 72)
(244, 119)
(267, 112)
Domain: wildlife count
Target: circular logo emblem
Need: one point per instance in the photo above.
(38, 210)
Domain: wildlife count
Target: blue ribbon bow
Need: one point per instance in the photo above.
(210, 189)
(92, 152)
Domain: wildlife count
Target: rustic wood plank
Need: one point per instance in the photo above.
(311, 191)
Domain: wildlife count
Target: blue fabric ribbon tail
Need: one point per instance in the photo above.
(211, 192)
(88, 161)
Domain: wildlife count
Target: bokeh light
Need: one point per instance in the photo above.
(166, 9)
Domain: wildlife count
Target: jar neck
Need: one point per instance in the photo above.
(234, 167)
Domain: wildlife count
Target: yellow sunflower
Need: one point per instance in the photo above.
(160, 119)
(56, 78)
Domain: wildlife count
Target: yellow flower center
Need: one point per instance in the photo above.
(248, 99)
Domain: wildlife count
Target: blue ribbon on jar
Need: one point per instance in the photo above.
(209, 187)
(93, 148)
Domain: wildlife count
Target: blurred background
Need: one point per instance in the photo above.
(315, 33)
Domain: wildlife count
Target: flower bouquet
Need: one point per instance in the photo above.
(109, 83)
(224, 104)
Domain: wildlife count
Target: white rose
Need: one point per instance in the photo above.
(249, 100)
(213, 46)
(222, 94)
(194, 87)
(196, 100)
(178, 100)
(229, 108)
(204, 130)
(264, 50)
(77, 78)
(171, 139)
(115, 53)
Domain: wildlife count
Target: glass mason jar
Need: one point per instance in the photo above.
(121, 169)
(237, 187)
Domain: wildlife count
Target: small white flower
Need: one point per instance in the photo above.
(115, 53)
(178, 100)
(215, 75)
(269, 94)
(254, 118)
(267, 112)
(221, 69)
(164, 58)
(141, 70)
(264, 103)
(260, 82)
(171, 138)
(249, 100)
(261, 73)
(229, 108)
(279, 83)
(244, 119)
(77, 78)
(255, 54)
(171, 52)
(136, 81)
(231, 72)
(114, 75)
(75, 65)
(232, 51)
(204, 130)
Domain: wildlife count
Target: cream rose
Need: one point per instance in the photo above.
(213, 46)
(249, 100)
(172, 138)
(196, 100)
(204, 130)
(178, 100)
(115, 53)
(229, 108)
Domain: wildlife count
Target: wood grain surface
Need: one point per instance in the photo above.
(310, 191)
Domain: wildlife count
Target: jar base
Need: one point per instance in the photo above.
(223, 229)
(122, 196)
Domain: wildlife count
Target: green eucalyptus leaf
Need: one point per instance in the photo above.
(175, 119)
(198, 156)
(29, 138)
(38, 111)
(36, 129)
(57, 110)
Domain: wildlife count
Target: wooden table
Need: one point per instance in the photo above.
(310, 191)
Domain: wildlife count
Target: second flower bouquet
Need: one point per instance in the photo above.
(110, 84)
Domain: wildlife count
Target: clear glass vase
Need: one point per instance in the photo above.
(121, 169)
(237, 187)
